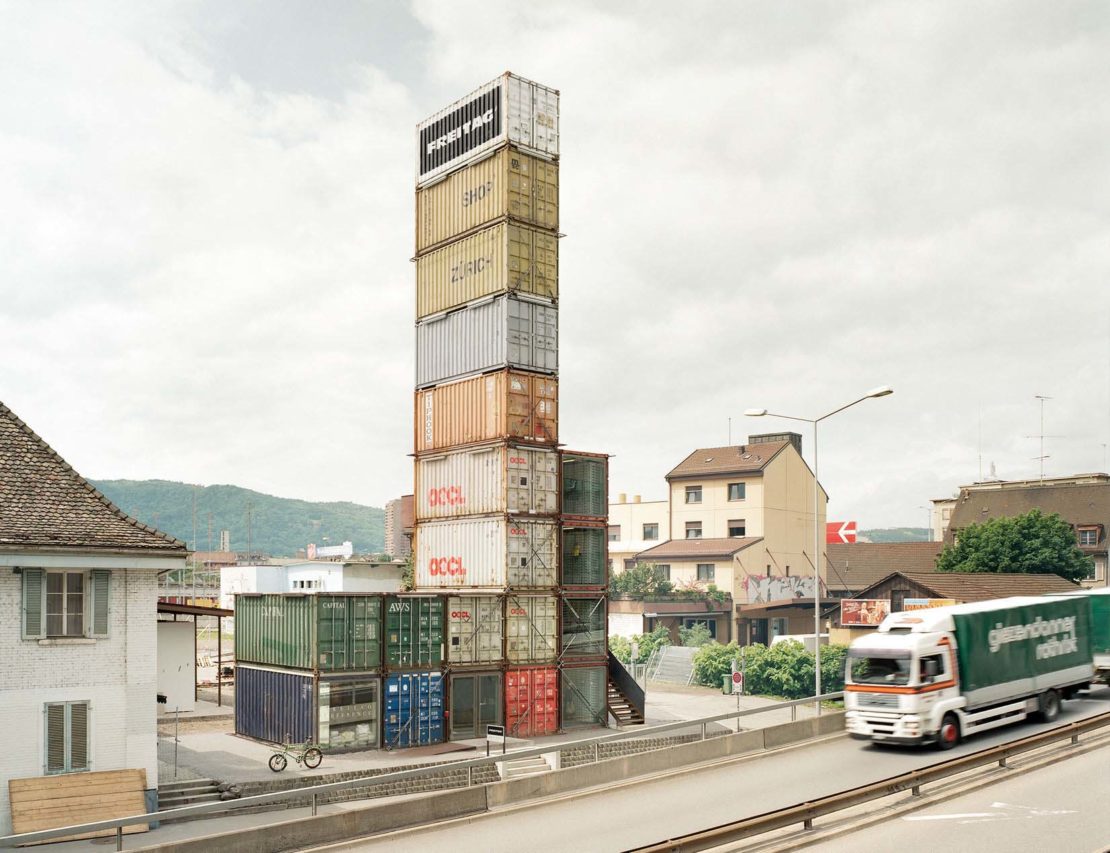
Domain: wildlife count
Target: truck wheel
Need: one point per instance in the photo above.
(949, 734)
(1050, 706)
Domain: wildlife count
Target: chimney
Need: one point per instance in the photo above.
(775, 437)
(635, 499)
(622, 498)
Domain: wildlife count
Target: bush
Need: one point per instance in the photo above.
(784, 670)
(621, 647)
(832, 668)
(713, 661)
(695, 636)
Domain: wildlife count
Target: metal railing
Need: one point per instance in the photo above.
(806, 813)
(469, 764)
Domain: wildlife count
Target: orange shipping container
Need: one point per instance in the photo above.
(503, 405)
(531, 701)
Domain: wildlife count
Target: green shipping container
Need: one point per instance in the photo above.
(414, 631)
(585, 561)
(585, 484)
(1029, 639)
(322, 632)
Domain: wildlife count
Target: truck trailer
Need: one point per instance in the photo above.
(938, 675)
(1100, 628)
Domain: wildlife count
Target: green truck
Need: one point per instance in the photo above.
(937, 675)
(1100, 628)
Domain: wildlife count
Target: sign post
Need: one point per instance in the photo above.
(737, 687)
(495, 732)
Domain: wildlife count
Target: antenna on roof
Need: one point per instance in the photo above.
(730, 432)
(1042, 436)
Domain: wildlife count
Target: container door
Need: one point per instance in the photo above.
(463, 701)
(429, 633)
(365, 638)
(489, 701)
(332, 631)
(399, 632)
(532, 551)
(584, 486)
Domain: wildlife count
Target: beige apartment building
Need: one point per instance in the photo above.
(635, 526)
(742, 518)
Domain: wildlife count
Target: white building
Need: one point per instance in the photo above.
(309, 576)
(78, 639)
(635, 526)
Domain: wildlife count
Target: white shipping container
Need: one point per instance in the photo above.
(475, 630)
(530, 628)
(487, 480)
(507, 109)
(486, 553)
(507, 331)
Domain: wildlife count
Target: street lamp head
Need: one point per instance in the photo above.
(755, 413)
(881, 391)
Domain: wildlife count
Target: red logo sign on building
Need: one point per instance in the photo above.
(840, 532)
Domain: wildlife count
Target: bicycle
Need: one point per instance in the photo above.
(307, 754)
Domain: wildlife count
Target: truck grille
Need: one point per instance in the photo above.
(877, 700)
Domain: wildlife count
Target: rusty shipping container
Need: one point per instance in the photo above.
(507, 184)
(531, 628)
(502, 332)
(503, 258)
(486, 480)
(531, 701)
(475, 630)
(507, 109)
(508, 404)
(486, 553)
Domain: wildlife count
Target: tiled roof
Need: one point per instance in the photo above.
(1076, 503)
(691, 549)
(984, 586)
(857, 566)
(739, 459)
(45, 503)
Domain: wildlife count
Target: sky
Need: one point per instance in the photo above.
(206, 226)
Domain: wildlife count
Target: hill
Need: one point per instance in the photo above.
(895, 534)
(279, 526)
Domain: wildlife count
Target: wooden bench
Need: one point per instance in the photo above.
(48, 802)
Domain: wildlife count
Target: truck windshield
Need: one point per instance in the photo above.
(870, 669)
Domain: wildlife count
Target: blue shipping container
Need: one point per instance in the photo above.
(413, 709)
(274, 706)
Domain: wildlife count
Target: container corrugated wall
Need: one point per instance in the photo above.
(508, 183)
(486, 481)
(486, 553)
(585, 484)
(507, 109)
(504, 332)
(414, 631)
(583, 627)
(505, 257)
(584, 560)
(531, 701)
(349, 713)
(503, 405)
(531, 628)
(413, 709)
(583, 693)
(475, 630)
(348, 632)
(275, 706)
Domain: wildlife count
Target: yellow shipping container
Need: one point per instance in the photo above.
(494, 260)
(507, 184)
(503, 405)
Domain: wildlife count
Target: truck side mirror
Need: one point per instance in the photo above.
(931, 669)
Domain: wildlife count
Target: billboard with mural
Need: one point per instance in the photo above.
(863, 611)
(926, 603)
(761, 589)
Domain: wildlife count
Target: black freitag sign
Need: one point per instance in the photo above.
(465, 129)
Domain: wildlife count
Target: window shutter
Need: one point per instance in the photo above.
(33, 595)
(78, 736)
(55, 738)
(98, 610)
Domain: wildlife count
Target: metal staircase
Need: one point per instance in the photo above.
(625, 699)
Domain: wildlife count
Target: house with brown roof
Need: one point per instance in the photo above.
(741, 518)
(856, 566)
(900, 591)
(78, 636)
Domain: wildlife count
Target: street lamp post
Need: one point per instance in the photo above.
(881, 391)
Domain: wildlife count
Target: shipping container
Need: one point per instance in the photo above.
(507, 184)
(329, 632)
(531, 701)
(503, 258)
(275, 706)
(584, 693)
(475, 703)
(493, 479)
(413, 631)
(585, 560)
(486, 553)
(531, 628)
(502, 332)
(583, 627)
(413, 709)
(504, 405)
(507, 109)
(585, 484)
(349, 713)
(475, 630)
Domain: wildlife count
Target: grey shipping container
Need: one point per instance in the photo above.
(507, 331)
(326, 632)
(585, 487)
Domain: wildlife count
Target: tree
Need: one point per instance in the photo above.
(696, 635)
(1023, 544)
(640, 579)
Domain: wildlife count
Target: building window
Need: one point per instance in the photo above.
(1088, 537)
(663, 570)
(778, 626)
(711, 625)
(67, 737)
(736, 491)
(651, 532)
(693, 494)
(737, 528)
(65, 603)
(706, 571)
(629, 564)
(614, 533)
(693, 530)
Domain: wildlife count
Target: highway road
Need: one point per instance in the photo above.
(642, 812)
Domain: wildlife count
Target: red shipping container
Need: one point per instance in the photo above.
(532, 701)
